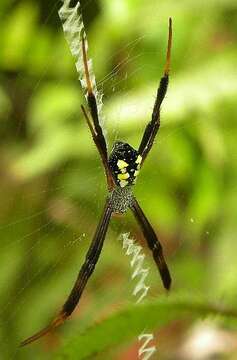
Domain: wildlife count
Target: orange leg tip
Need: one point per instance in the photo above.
(168, 54)
(55, 323)
(84, 56)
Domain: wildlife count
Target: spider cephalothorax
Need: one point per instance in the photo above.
(121, 169)
(125, 163)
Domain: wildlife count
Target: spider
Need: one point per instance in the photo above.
(121, 169)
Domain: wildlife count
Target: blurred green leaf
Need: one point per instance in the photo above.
(123, 326)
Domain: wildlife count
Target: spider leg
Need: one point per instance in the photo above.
(86, 271)
(153, 243)
(109, 177)
(95, 128)
(153, 126)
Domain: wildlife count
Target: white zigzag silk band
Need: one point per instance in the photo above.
(137, 264)
(73, 28)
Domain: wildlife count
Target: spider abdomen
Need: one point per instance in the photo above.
(124, 162)
(121, 199)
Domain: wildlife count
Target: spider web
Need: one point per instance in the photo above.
(68, 220)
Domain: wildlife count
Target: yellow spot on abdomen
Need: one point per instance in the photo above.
(123, 183)
(123, 176)
(139, 159)
(122, 164)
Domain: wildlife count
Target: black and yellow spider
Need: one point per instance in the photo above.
(121, 168)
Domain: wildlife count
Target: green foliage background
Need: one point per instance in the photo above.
(52, 184)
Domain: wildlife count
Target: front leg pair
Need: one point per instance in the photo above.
(151, 128)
